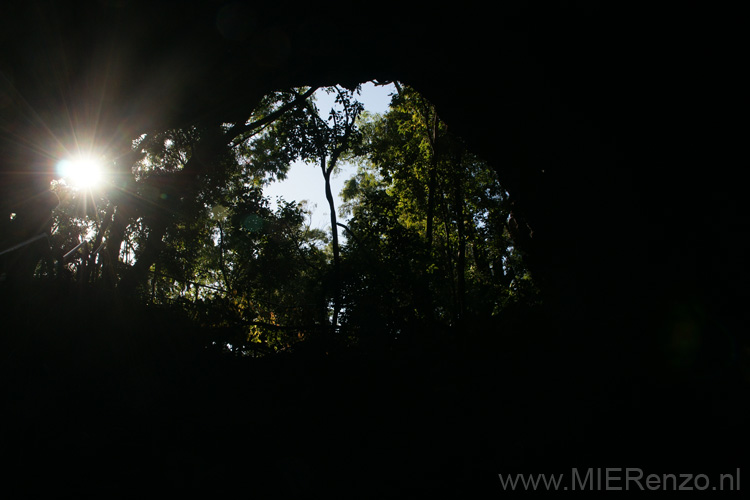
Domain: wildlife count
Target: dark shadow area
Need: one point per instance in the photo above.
(608, 133)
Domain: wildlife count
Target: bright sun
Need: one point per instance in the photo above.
(83, 172)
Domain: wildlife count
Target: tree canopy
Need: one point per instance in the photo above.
(183, 223)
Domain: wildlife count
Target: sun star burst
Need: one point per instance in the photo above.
(83, 172)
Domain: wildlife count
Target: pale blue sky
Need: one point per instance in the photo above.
(305, 181)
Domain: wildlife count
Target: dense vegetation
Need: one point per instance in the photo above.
(182, 306)
(196, 335)
(175, 332)
(185, 225)
(178, 323)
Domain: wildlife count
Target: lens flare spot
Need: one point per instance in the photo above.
(252, 223)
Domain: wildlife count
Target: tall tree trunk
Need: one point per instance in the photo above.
(150, 252)
(222, 263)
(153, 283)
(103, 226)
(327, 170)
(115, 237)
(425, 297)
(448, 252)
(432, 182)
(461, 264)
(123, 199)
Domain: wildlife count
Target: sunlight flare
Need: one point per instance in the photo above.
(83, 172)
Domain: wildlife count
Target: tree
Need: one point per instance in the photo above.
(186, 226)
(433, 216)
(326, 142)
(166, 181)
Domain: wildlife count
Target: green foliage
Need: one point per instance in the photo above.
(402, 265)
(427, 243)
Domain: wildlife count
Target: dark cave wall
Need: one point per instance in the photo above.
(607, 127)
(590, 114)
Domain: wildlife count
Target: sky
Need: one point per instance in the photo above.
(305, 181)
